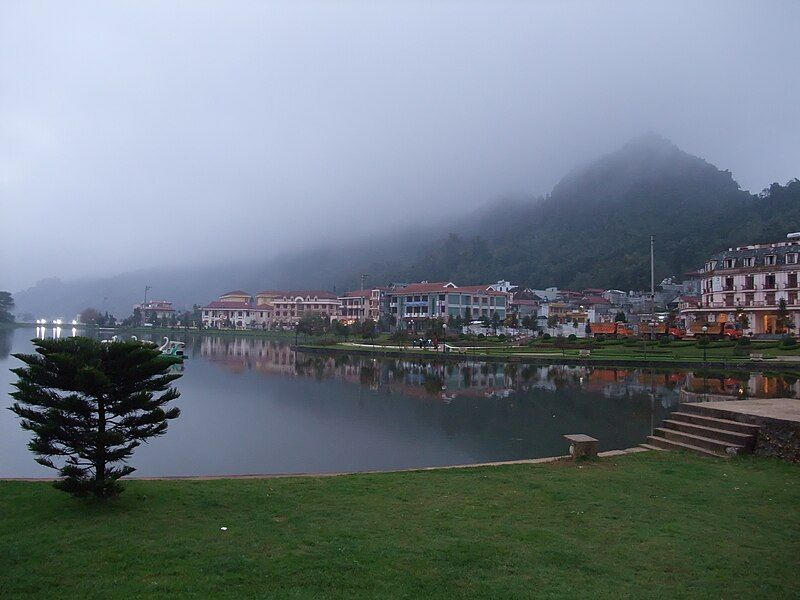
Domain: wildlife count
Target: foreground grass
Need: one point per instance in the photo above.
(647, 525)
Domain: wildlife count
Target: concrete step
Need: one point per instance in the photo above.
(714, 445)
(651, 447)
(665, 444)
(743, 439)
(709, 421)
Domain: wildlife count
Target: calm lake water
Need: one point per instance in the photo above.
(252, 405)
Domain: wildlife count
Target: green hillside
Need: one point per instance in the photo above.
(593, 229)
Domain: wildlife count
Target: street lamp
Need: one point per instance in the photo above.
(444, 337)
(705, 344)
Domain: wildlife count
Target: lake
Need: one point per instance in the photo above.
(252, 405)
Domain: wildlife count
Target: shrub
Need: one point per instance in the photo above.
(789, 342)
(546, 336)
(572, 337)
(665, 341)
(744, 341)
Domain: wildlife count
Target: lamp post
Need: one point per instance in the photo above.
(705, 344)
(444, 337)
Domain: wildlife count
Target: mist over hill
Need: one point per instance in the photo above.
(592, 230)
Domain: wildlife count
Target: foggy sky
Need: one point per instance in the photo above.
(143, 133)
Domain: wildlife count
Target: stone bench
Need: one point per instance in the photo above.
(584, 353)
(756, 356)
(581, 445)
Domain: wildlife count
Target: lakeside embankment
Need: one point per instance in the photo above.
(652, 524)
(570, 358)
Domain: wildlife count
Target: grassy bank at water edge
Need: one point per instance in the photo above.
(646, 525)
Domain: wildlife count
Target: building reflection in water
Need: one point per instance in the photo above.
(448, 380)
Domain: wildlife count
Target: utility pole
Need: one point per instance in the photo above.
(652, 281)
(363, 280)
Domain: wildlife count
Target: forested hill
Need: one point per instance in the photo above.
(591, 231)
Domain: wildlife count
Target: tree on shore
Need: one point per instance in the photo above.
(782, 320)
(89, 405)
(313, 323)
(6, 306)
(90, 316)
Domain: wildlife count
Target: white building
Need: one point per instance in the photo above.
(749, 281)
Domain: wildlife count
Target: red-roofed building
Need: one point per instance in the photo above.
(235, 310)
(445, 300)
(155, 309)
(290, 306)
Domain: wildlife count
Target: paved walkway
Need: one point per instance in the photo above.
(784, 409)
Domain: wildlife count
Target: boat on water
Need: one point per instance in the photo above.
(172, 348)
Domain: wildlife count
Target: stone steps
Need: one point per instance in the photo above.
(716, 422)
(734, 437)
(720, 447)
(703, 431)
(665, 444)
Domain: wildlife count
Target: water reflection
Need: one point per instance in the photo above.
(252, 405)
(6, 335)
(447, 379)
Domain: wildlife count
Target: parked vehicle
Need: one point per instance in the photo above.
(611, 330)
(717, 331)
(662, 330)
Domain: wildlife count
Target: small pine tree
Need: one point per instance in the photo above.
(782, 320)
(89, 405)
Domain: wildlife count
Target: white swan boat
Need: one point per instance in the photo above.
(172, 348)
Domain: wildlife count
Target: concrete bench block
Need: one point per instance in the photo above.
(581, 445)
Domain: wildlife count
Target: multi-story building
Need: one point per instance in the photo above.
(288, 307)
(360, 305)
(749, 281)
(445, 300)
(159, 309)
(236, 310)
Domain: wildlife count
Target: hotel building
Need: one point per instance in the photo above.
(750, 281)
(445, 300)
(288, 307)
(361, 305)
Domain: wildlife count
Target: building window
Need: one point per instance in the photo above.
(728, 263)
(769, 259)
(749, 261)
(791, 259)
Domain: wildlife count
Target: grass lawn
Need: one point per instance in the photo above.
(655, 525)
(622, 350)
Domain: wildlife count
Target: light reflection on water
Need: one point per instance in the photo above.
(252, 405)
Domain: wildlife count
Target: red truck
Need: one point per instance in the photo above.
(662, 330)
(717, 331)
(609, 330)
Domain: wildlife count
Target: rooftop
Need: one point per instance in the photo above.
(322, 294)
